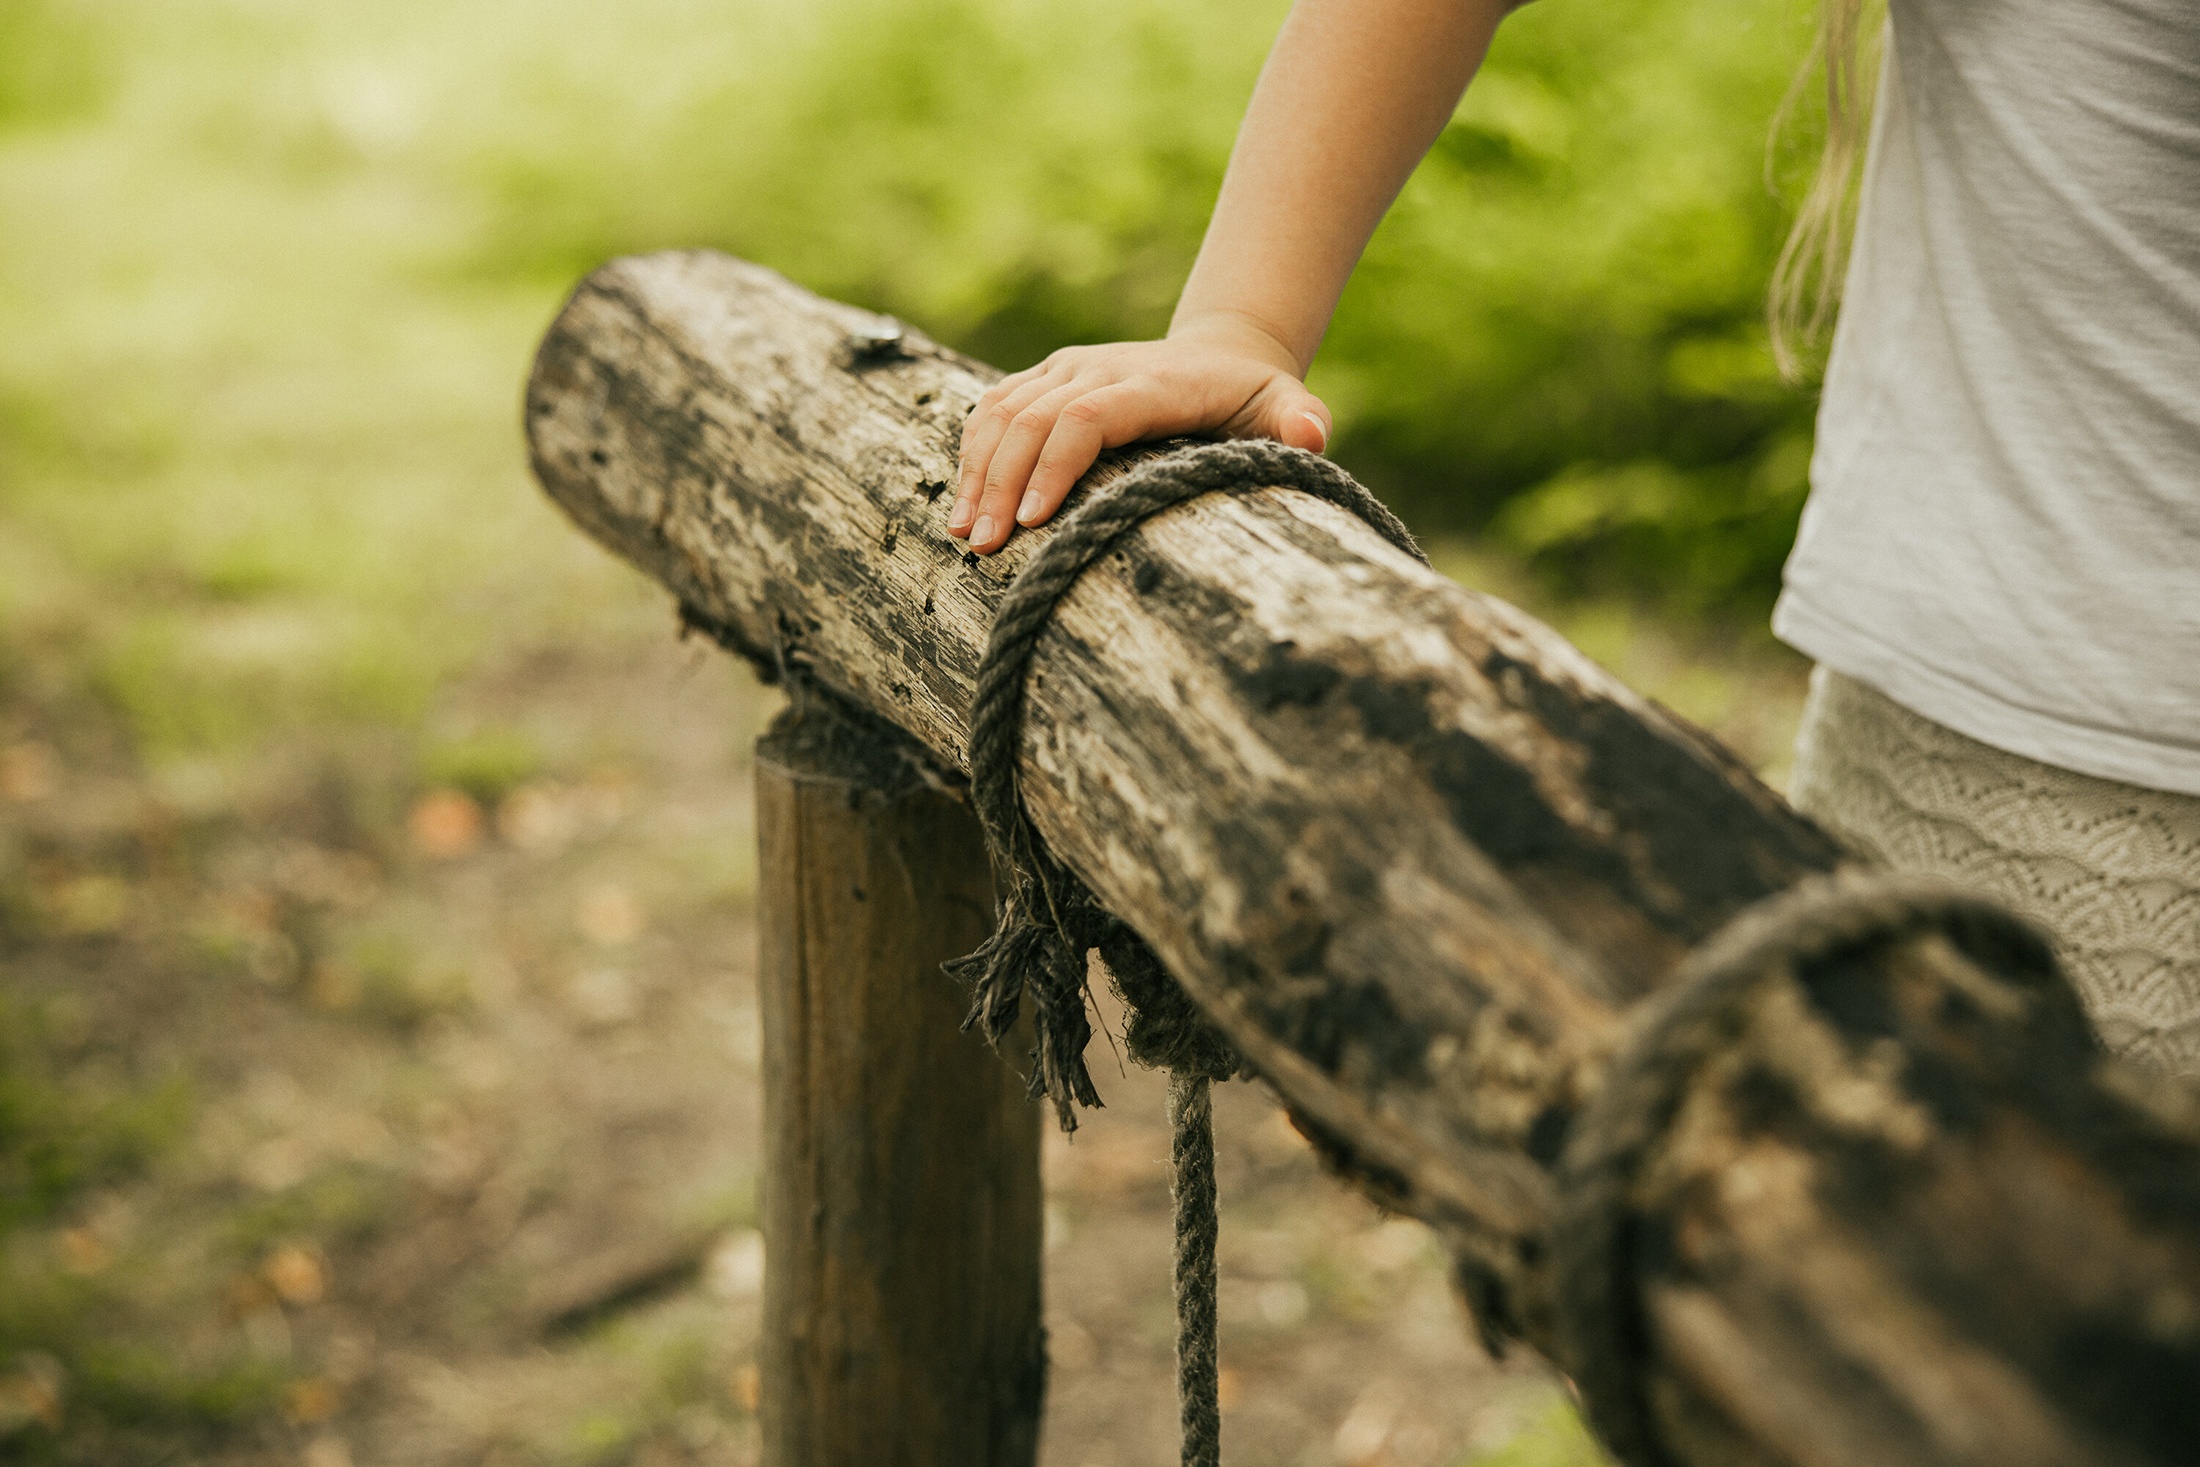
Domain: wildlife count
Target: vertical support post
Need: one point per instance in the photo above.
(902, 1207)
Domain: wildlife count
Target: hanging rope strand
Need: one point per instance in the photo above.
(1192, 1182)
(1050, 921)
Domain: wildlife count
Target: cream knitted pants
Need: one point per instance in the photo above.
(2111, 870)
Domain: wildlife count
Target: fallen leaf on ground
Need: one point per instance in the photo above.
(81, 1251)
(333, 986)
(30, 1394)
(295, 1275)
(747, 1387)
(445, 824)
(28, 771)
(308, 1401)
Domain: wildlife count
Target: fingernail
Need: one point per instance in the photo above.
(960, 519)
(984, 530)
(1028, 511)
(1319, 427)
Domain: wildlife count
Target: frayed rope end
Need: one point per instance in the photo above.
(1047, 961)
(1027, 956)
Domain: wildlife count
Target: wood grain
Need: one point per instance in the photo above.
(902, 1206)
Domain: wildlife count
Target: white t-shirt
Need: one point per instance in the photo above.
(2003, 532)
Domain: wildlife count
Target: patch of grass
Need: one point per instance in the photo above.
(667, 1372)
(62, 1135)
(247, 570)
(378, 976)
(150, 1386)
(684, 1371)
(170, 705)
(347, 1203)
(1556, 1439)
(602, 1435)
(724, 1207)
(59, 1137)
(488, 764)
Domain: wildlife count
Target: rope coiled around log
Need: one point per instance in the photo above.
(1050, 920)
(1601, 1324)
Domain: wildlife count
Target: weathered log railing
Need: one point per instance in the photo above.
(1429, 868)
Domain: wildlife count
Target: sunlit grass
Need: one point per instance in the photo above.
(1557, 1440)
(262, 465)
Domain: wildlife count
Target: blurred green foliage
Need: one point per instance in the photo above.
(227, 391)
(49, 63)
(1557, 336)
(1558, 1440)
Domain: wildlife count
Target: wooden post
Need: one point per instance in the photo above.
(902, 1206)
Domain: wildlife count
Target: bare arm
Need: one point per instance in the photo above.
(1353, 94)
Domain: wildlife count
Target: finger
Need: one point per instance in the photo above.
(1305, 424)
(982, 436)
(982, 429)
(1107, 417)
(1054, 367)
(1013, 457)
(995, 393)
(1288, 413)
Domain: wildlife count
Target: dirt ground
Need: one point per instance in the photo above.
(450, 1125)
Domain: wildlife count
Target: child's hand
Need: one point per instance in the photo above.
(1033, 434)
(1352, 95)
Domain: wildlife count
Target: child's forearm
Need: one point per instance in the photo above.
(1353, 94)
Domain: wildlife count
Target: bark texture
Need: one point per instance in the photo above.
(1410, 850)
(902, 1206)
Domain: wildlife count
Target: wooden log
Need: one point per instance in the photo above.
(1409, 849)
(902, 1204)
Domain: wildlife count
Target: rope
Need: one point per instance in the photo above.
(1602, 1331)
(1192, 1185)
(1050, 921)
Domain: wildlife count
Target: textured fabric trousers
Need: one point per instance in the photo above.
(2110, 870)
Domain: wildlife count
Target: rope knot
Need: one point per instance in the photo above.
(1049, 920)
(1600, 1211)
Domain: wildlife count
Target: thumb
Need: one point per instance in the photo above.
(1300, 419)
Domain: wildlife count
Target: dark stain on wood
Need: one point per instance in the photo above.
(1285, 678)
